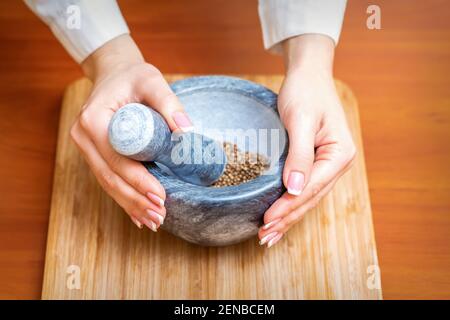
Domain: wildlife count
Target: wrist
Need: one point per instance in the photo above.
(113, 55)
(309, 52)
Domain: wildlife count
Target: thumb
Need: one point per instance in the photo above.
(300, 159)
(158, 94)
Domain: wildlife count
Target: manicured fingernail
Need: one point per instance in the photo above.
(161, 219)
(157, 200)
(182, 120)
(295, 183)
(155, 215)
(267, 238)
(136, 222)
(270, 224)
(150, 224)
(274, 240)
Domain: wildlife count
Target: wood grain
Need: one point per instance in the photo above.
(327, 256)
(399, 75)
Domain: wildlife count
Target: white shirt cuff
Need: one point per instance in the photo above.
(100, 21)
(283, 19)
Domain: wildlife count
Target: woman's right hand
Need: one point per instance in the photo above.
(121, 76)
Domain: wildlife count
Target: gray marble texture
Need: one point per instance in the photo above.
(223, 216)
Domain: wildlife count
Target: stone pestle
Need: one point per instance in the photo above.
(140, 133)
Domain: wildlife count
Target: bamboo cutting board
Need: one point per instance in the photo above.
(94, 251)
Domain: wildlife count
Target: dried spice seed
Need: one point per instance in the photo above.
(241, 166)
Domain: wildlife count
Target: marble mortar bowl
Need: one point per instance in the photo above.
(218, 216)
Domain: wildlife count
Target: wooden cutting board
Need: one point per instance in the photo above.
(94, 251)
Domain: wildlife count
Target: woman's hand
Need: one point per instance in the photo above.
(321, 148)
(121, 76)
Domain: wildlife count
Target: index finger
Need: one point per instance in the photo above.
(324, 170)
(95, 124)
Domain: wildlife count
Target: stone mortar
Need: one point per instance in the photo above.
(223, 216)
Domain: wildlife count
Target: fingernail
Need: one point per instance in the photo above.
(267, 238)
(150, 224)
(182, 120)
(157, 200)
(270, 224)
(136, 222)
(295, 183)
(155, 215)
(274, 240)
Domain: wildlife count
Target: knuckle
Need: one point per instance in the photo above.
(74, 133)
(169, 99)
(293, 205)
(289, 108)
(148, 76)
(85, 119)
(267, 218)
(283, 224)
(135, 203)
(152, 70)
(299, 215)
(107, 180)
(304, 117)
(132, 213)
(115, 160)
(352, 152)
(314, 203)
(300, 117)
(139, 181)
(301, 152)
(289, 219)
(300, 157)
(348, 153)
(315, 188)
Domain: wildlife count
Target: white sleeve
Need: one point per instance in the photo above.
(282, 19)
(99, 21)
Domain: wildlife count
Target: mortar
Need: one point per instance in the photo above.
(223, 216)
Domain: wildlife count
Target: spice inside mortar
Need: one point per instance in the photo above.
(241, 166)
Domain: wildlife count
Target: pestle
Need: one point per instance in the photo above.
(140, 133)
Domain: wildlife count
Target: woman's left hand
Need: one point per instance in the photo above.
(321, 148)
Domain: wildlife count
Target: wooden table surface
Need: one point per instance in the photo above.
(399, 75)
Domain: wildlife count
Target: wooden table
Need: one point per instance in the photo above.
(331, 254)
(399, 75)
